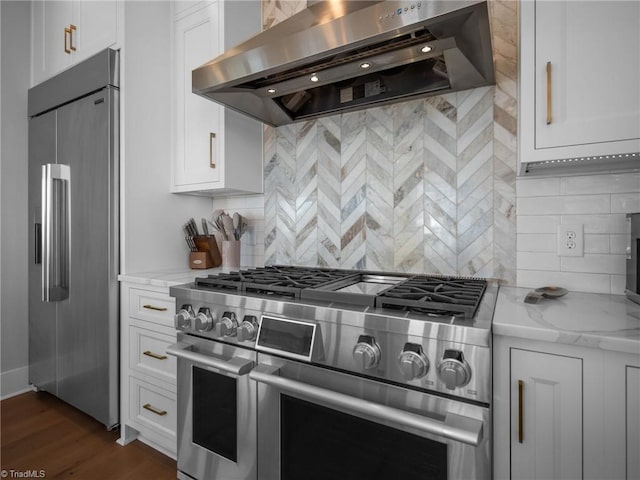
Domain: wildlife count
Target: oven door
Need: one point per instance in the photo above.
(316, 424)
(216, 410)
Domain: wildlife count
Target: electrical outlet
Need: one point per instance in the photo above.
(571, 240)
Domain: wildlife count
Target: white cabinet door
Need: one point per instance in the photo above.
(546, 416)
(198, 39)
(580, 79)
(96, 27)
(48, 38)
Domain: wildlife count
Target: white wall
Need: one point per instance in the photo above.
(599, 202)
(152, 217)
(14, 81)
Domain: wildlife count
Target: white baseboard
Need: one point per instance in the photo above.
(14, 382)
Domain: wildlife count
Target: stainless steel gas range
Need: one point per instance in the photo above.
(293, 372)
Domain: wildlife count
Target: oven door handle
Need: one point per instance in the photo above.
(235, 365)
(454, 427)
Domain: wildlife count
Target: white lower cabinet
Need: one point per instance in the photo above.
(546, 411)
(147, 373)
(564, 412)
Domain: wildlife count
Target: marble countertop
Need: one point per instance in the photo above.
(168, 278)
(607, 322)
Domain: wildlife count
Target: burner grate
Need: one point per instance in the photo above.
(435, 295)
(225, 281)
(279, 280)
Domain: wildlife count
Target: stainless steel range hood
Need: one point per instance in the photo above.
(342, 55)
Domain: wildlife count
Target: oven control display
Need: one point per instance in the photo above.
(289, 338)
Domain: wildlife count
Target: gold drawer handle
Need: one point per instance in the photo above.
(157, 309)
(67, 35)
(157, 356)
(72, 28)
(212, 161)
(549, 107)
(520, 411)
(152, 409)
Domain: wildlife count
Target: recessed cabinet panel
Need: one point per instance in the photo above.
(546, 416)
(51, 18)
(97, 27)
(198, 137)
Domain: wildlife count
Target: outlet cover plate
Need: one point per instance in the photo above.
(571, 240)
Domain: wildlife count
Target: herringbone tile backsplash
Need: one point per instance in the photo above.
(421, 186)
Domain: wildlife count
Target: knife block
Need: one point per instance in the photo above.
(208, 255)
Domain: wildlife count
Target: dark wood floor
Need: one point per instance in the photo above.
(39, 432)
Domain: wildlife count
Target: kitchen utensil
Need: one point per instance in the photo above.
(227, 223)
(236, 226)
(217, 217)
(205, 229)
(194, 227)
(552, 291)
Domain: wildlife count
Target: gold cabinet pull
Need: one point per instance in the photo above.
(152, 409)
(67, 35)
(153, 307)
(157, 356)
(520, 411)
(549, 115)
(212, 162)
(72, 28)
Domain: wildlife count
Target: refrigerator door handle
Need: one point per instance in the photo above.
(56, 231)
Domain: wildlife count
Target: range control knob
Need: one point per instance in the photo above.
(204, 319)
(248, 329)
(453, 370)
(228, 326)
(366, 353)
(182, 319)
(413, 362)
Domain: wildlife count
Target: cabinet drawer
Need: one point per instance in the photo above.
(152, 408)
(147, 354)
(151, 306)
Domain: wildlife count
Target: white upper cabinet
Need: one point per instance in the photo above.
(197, 40)
(216, 151)
(579, 79)
(66, 32)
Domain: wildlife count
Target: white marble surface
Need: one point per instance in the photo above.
(168, 278)
(607, 322)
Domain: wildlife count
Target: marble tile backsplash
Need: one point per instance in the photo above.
(422, 186)
(599, 203)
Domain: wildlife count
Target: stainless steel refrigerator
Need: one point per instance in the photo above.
(74, 236)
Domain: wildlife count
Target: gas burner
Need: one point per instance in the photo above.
(435, 295)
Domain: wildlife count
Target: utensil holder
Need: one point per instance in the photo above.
(208, 255)
(231, 253)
